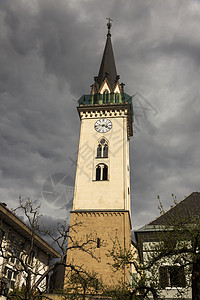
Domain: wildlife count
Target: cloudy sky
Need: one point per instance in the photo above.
(49, 53)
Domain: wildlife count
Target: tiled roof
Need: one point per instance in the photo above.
(187, 208)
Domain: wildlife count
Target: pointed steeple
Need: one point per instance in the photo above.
(108, 67)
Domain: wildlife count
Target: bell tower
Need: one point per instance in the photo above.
(101, 202)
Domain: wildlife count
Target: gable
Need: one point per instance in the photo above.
(117, 88)
(105, 86)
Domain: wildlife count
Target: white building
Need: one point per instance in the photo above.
(15, 249)
(176, 270)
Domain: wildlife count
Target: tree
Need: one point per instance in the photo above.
(180, 244)
(35, 275)
(168, 253)
(140, 286)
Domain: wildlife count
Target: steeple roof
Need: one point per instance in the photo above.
(108, 67)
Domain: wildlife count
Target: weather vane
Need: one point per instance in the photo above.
(109, 24)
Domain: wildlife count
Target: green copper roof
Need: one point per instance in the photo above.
(98, 99)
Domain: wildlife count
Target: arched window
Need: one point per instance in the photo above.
(105, 96)
(99, 150)
(105, 150)
(98, 173)
(101, 172)
(102, 149)
(105, 172)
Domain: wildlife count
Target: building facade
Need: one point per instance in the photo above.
(172, 241)
(16, 249)
(101, 203)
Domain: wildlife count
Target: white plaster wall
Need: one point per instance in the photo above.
(111, 194)
(168, 292)
(1, 264)
(40, 262)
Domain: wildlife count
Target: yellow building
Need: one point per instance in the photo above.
(101, 203)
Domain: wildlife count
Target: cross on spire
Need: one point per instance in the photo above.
(109, 24)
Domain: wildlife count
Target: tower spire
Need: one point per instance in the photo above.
(108, 67)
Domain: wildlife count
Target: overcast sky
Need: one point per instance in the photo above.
(49, 53)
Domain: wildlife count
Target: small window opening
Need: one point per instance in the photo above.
(105, 96)
(98, 242)
(102, 141)
(95, 98)
(117, 97)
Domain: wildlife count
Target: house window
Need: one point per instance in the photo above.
(15, 245)
(102, 149)
(172, 276)
(10, 274)
(101, 172)
(12, 260)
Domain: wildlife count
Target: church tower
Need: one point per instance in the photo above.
(101, 203)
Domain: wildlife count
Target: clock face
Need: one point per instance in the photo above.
(103, 125)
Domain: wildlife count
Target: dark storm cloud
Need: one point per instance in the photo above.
(50, 51)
